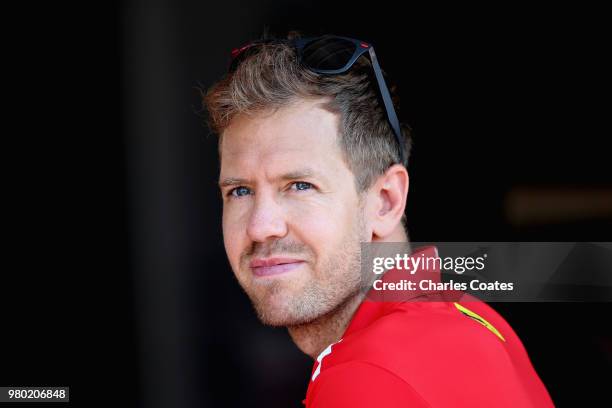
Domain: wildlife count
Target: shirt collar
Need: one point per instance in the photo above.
(378, 303)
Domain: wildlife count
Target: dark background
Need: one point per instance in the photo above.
(114, 279)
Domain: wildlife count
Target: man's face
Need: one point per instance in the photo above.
(292, 219)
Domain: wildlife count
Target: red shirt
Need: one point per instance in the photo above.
(426, 352)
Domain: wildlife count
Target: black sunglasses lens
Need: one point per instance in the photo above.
(328, 53)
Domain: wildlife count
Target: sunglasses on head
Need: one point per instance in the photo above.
(330, 54)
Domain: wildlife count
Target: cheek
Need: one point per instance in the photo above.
(320, 225)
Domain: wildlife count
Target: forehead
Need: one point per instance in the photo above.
(302, 133)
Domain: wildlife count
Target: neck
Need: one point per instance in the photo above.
(313, 337)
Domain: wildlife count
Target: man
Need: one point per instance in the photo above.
(313, 163)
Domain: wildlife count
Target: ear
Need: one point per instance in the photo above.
(387, 201)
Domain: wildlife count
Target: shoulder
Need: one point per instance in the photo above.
(424, 347)
(426, 331)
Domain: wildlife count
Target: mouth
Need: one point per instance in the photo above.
(274, 266)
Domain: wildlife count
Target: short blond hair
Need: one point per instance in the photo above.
(271, 77)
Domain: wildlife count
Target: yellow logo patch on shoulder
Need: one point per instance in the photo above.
(479, 319)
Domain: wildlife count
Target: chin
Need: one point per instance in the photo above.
(280, 311)
(275, 317)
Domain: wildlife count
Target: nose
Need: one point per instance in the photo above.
(267, 219)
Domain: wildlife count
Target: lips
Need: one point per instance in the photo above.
(274, 266)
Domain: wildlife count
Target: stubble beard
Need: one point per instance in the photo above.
(337, 280)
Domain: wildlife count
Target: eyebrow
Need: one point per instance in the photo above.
(292, 175)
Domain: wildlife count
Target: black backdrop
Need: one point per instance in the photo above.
(115, 280)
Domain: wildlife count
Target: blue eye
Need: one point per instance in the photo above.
(302, 185)
(239, 191)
